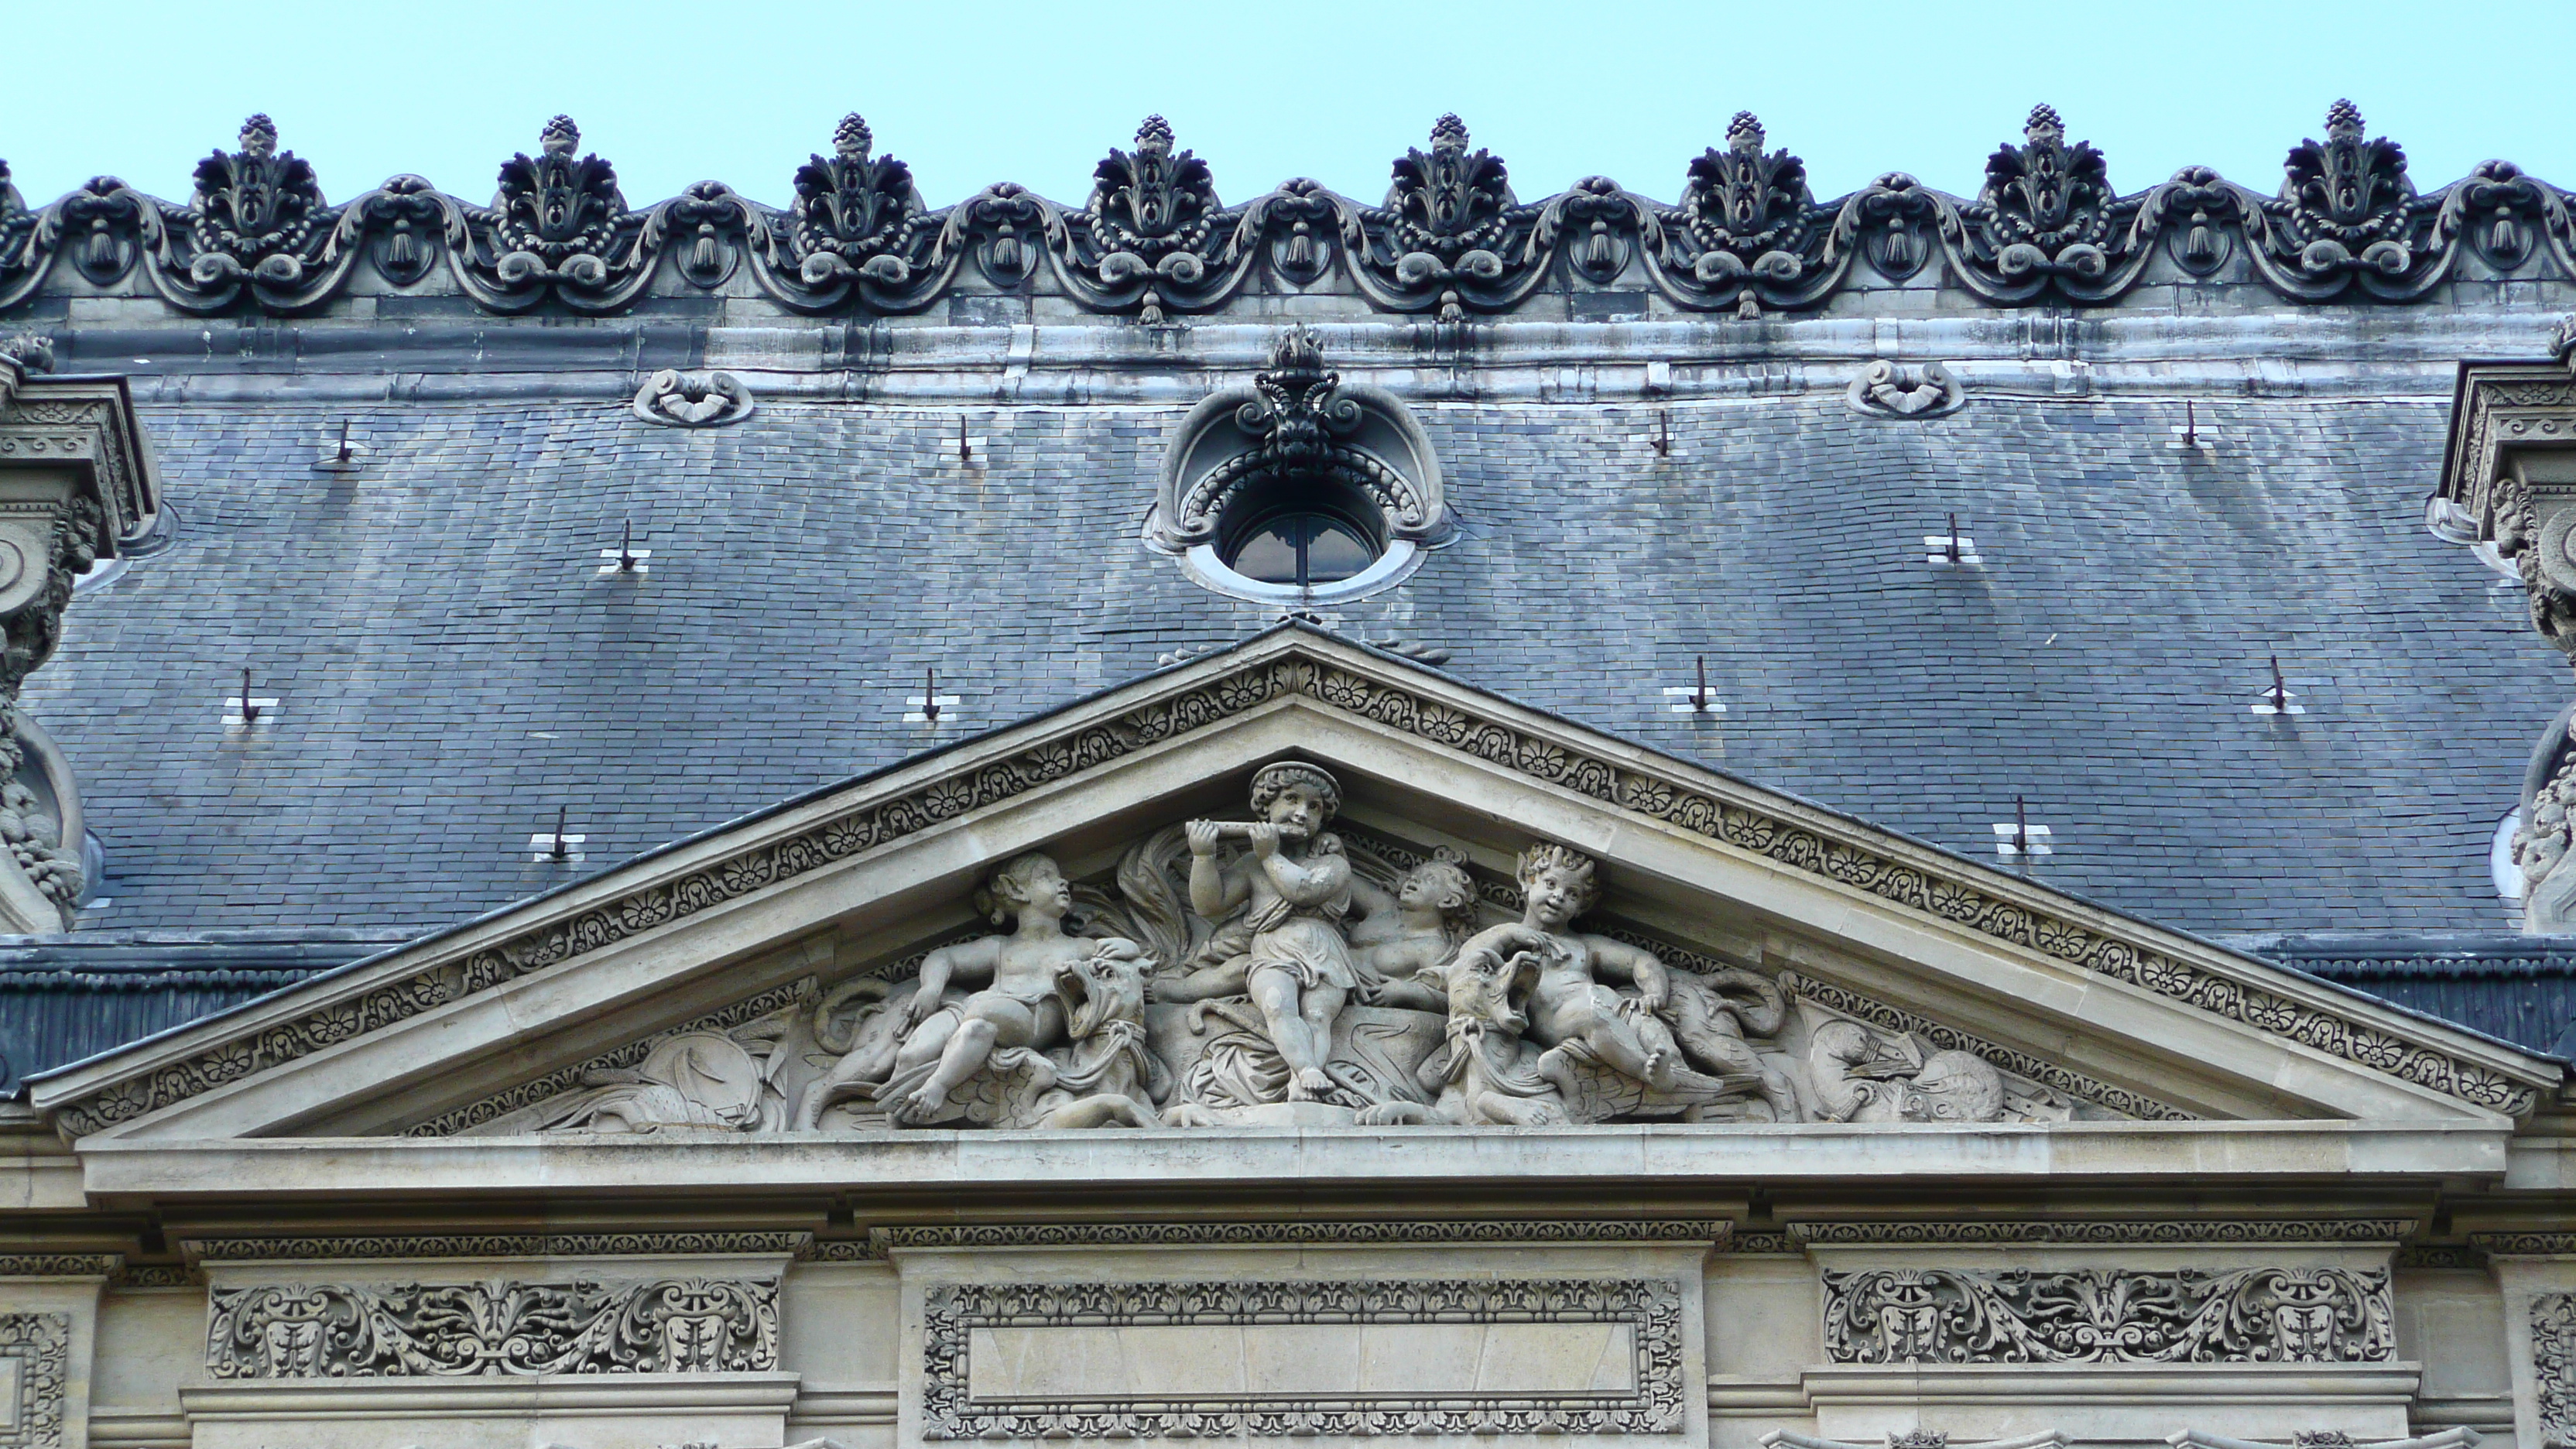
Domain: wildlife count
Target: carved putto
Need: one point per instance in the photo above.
(1278, 969)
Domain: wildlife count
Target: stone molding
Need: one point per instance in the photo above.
(336, 1331)
(2108, 1316)
(1121, 1235)
(42, 1345)
(2524, 1245)
(1652, 1308)
(60, 1265)
(2141, 1232)
(1450, 239)
(492, 1245)
(1762, 1244)
(1841, 851)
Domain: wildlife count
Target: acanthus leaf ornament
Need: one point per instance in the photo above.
(559, 227)
(2347, 215)
(1153, 234)
(856, 228)
(2047, 220)
(256, 222)
(2279, 1315)
(1449, 235)
(1748, 233)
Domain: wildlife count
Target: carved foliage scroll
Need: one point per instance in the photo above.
(37, 1347)
(2249, 1315)
(1650, 1310)
(1153, 238)
(672, 1325)
(2553, 1364)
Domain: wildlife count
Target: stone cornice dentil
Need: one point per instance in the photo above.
(1296, 662)
(1154, 241)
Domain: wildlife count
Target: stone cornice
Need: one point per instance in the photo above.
(60, 1265)
(1257, 1234)
(2133, 1232)
(1301, 666)
(493, 1245)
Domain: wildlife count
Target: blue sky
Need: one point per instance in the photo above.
(1001, 91)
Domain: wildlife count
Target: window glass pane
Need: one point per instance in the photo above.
(1269, 553)
(1338, 551)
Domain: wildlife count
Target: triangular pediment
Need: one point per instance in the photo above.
(1822, 972)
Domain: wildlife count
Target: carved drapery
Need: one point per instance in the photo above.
(2108, 1315)
(1154, 239)
(671, 1325)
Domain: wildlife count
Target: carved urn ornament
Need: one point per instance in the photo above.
(1298, 430)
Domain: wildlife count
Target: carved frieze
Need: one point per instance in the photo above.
(1154, 239)
(671, 1325)
(2108, 1315)
(35, 1370)
(489, 1245)
(1966, 899)
(1643, 1351)
(2113, 1231)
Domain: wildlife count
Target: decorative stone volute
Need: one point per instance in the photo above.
(2509, 485)
(75, 480)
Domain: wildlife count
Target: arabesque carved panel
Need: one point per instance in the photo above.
(2101, 1315)
(327, 1331)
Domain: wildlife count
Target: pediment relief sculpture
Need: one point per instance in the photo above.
(1277, 971)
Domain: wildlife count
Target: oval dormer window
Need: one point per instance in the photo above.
(1297, 487)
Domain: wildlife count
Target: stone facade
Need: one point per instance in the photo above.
(1291, 1033)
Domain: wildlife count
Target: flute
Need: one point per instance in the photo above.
(1235, 829)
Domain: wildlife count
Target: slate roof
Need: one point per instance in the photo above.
(453, 667)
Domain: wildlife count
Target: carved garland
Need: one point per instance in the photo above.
(1655, 795)
(1651, 1307)
(41, 1344)
(2104, 1315)
(1123, 1235)
(672, 1325)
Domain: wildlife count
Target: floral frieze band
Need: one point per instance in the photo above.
(2102, 1315)
(672, 1325)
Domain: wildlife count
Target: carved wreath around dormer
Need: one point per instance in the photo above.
(1298, 429)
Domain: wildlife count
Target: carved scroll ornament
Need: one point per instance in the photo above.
(673, 1325)
(1154, 239)
(39, 1344)
(2553, 1367)
(2104, 1315)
